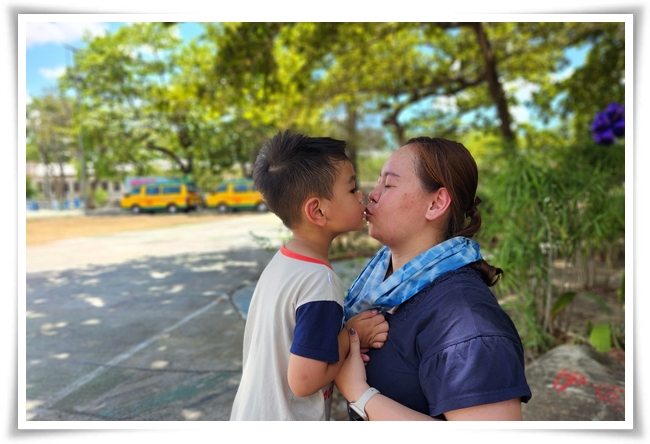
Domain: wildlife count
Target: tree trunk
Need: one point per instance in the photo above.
(496, 89)
(352, 144)
(91, 195)
(61, 187)
(399, 129)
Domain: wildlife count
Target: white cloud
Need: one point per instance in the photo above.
(52, 73)
(38, 33)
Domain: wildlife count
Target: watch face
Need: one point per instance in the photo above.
(355, 414)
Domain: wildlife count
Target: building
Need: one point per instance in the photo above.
(65, 188)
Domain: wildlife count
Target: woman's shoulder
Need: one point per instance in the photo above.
(456, 307)
(454, 288)
(462, 276)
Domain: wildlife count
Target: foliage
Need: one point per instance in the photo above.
(540, 212)
(369, 166)
(30, 190)
(101, 197)
(571, 98)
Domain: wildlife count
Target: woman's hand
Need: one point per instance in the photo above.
(351, 379)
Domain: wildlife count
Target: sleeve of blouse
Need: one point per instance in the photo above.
(479, 371)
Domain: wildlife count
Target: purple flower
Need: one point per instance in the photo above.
(603, 138)
(609, 124)
(601, 122)
(615, 112)
(619, 128)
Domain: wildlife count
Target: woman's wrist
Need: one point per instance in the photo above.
(354, 393)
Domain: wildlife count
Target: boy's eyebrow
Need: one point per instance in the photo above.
(352, 179)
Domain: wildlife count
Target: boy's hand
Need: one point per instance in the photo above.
(372, 328)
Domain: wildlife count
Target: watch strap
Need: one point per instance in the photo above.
(364, 398)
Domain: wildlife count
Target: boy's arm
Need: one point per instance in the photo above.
(306, 376)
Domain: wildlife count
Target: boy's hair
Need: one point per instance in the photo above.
(293, 167)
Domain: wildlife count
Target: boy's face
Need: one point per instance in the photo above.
(346, 208)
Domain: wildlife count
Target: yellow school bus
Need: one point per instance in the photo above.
(168, 196)
(238, 194)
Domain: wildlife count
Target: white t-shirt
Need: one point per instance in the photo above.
(297, 307)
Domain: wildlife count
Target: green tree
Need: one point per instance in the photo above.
(572, 98)
(50, 133)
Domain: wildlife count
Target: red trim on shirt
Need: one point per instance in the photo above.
(300, 257)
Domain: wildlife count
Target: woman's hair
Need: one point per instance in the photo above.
(448, 164)
(292, 167)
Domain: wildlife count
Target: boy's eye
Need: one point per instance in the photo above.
(354, 190)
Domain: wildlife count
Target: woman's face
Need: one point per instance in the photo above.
(398, 204)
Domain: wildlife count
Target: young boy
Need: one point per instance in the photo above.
(293, 342)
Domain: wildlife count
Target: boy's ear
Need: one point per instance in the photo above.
(439, 204)
(314, 211)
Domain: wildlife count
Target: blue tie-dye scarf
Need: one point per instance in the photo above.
(370, 290)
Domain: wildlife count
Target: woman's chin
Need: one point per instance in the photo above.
(373, 232)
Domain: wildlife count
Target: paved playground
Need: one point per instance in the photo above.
(145, 325)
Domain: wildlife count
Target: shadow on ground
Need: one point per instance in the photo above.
(150, 339)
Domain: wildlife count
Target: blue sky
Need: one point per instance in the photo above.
(47, 55)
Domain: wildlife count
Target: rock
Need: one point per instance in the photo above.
(575, 383)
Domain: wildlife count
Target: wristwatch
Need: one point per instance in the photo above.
(357, 409)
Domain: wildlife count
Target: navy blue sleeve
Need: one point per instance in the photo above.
(483, 370)
(317, 327)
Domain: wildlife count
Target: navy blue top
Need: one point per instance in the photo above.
(449, 347)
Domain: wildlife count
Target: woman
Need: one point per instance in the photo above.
(452, 353)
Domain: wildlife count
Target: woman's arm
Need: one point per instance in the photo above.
(509, 410)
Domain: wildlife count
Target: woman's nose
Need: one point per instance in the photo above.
(372, 196)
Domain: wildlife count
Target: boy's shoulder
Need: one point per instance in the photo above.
(301, 276)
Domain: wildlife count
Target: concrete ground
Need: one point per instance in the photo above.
(142, 326)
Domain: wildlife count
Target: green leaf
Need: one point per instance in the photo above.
(561, 302)
(600, 337)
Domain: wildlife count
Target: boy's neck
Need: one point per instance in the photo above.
(311, 244)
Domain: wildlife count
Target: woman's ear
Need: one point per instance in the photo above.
(439, 204)
(314, 211)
